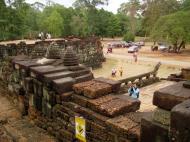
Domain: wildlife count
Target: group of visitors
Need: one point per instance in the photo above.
(43, 36)
(114, 72)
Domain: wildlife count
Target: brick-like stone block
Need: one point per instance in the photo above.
(79, 87)
(112, 106)
(97, 90)
(180, 122)
(153, 132)
(170, 96)
(80, 100)
(114, 84)
(121, 125)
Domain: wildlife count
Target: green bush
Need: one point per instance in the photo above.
(129, 37)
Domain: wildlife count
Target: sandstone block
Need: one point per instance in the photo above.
(170, 96)
(112, 106)
(152, 131)
(162, 116)
(79, 87)
(97, 90)
(180, 124)
(114, 84)
(63, 85)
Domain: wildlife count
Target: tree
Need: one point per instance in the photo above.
(154, 9)
(89, 3)
(113, 27)
(54, 24)
(131, 9)
(80, 29)
(173, 28)
(129, 37)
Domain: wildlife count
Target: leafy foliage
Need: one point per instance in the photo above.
(129, 37)
(173, 28)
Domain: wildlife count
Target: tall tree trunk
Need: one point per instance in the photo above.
(175, 47)
(182, 44)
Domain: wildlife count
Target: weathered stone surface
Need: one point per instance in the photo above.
(70, 58)
(170, 96)
(97, 90)
(79, 87)
(28, 85)
(115, 84)
(81, 72)
(122, 125)
(180, 124)
(162, 116)
(114, 105)
(153, 132)
(80, 100)
(65, 97)
(186, 84)
(84, 78)
(54, 76)
(63, 85)
(186, 73)
(37, 72)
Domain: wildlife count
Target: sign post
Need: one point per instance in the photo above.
(80, 129)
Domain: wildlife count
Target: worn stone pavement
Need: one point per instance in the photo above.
(146, 95)
(15, 128)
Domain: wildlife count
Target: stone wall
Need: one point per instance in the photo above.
(89, 50)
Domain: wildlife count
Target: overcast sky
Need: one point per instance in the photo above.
(113, 4)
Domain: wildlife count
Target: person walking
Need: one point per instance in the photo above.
(121, 71)
(135, 56)
(114, 72)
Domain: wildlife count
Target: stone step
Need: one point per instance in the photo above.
(63, 85)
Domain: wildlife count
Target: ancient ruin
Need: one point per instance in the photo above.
(89, 50)
(52, 91)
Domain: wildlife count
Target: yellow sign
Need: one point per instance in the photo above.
(80, 128)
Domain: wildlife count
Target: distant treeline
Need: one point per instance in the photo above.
(162, 20)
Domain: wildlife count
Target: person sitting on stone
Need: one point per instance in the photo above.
(134, 91)
(130, 90)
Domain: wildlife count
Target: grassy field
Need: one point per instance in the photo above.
(132, 69)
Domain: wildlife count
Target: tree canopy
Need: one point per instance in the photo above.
(163, 20)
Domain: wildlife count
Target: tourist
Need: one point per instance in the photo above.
(135, 56)
(130, 90)
(39, 36)
(114, 71)
(121, 71)
(134, 91)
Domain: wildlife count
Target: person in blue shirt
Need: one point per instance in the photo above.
(134, 91)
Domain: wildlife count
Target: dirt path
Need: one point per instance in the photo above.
(149, 59)
(14, 128)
